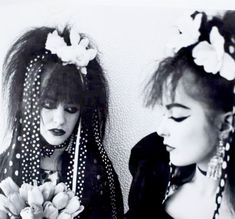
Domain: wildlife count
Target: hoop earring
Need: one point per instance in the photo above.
(214, 170)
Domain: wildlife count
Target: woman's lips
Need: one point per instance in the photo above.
(57, 132)
(169, 148)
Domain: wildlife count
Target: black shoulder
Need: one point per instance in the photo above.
(149, 167)
(148, 149)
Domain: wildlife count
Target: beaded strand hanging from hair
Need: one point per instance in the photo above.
(224, 175)
(225, 163)
(222, 181)
(170, 185)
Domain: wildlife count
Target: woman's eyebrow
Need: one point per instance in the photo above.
(170, 106)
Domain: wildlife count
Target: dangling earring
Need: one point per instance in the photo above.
(222, 182)
(170, 187)
(214, 170)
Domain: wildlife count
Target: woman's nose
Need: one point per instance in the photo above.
(163, 129)
(59, 115)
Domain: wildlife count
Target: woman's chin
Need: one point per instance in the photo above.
(180, 162)
(55, 141)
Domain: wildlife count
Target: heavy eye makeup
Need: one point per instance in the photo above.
(71, 108)
(52, 104)
(178, 115)
(178, 119)
(178, 112)
(48, 104)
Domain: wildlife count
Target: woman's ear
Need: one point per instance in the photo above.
(227, 121)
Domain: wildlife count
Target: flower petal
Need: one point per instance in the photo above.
(4, 203)
(24, 189)
(75, 214)
(84, 70)
(54, 42)
(197, 21)
(50, 211)
(217, 41)
(76, 54)
(185, 33)
(91, 53)
(27, 213)
(73, 205)
(204, 55)
(228, 68)
(17, 201)
(35, 196)
(3, 215)
(8, 186)
(47, 189)
(64, 215)
(84, 42)
(74, 37)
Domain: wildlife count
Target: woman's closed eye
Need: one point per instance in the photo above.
(48, 104)
(71, 109)
(179, 119)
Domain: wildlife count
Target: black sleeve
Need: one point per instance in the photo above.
(149, 167)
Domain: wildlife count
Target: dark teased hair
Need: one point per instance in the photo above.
(210, 89)
(65, 82)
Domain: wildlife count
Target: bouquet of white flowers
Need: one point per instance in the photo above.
(47, 201)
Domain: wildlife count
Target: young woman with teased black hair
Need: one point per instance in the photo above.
(58, 104)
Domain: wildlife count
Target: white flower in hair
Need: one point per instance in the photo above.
(186, 33)
(77, 53)
(213, 57)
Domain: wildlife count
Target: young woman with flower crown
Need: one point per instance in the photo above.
(57, 97)
(186, 169)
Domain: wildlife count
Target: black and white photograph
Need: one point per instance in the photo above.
(117, 110)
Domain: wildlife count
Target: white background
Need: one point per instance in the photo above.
(130, 36)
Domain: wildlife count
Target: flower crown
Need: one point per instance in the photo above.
(77, 53)
(211, 55)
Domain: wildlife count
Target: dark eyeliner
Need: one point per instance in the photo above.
(179, 119)
(71, 109)
(47, 104)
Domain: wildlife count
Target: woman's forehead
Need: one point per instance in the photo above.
(177, 91)
(167, 91)
(178, 95)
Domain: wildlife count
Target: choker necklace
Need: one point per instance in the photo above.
(202, 171)
(47, 149)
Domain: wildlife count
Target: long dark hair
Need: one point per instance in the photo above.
(211, 89)
(65, 83)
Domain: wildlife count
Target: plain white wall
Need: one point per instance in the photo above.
(130, 38)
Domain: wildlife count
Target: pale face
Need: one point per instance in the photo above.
(187, 133)
(57, 121)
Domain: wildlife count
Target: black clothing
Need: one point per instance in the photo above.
(149, 166)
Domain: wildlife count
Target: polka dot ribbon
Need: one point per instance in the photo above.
(27, 147)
